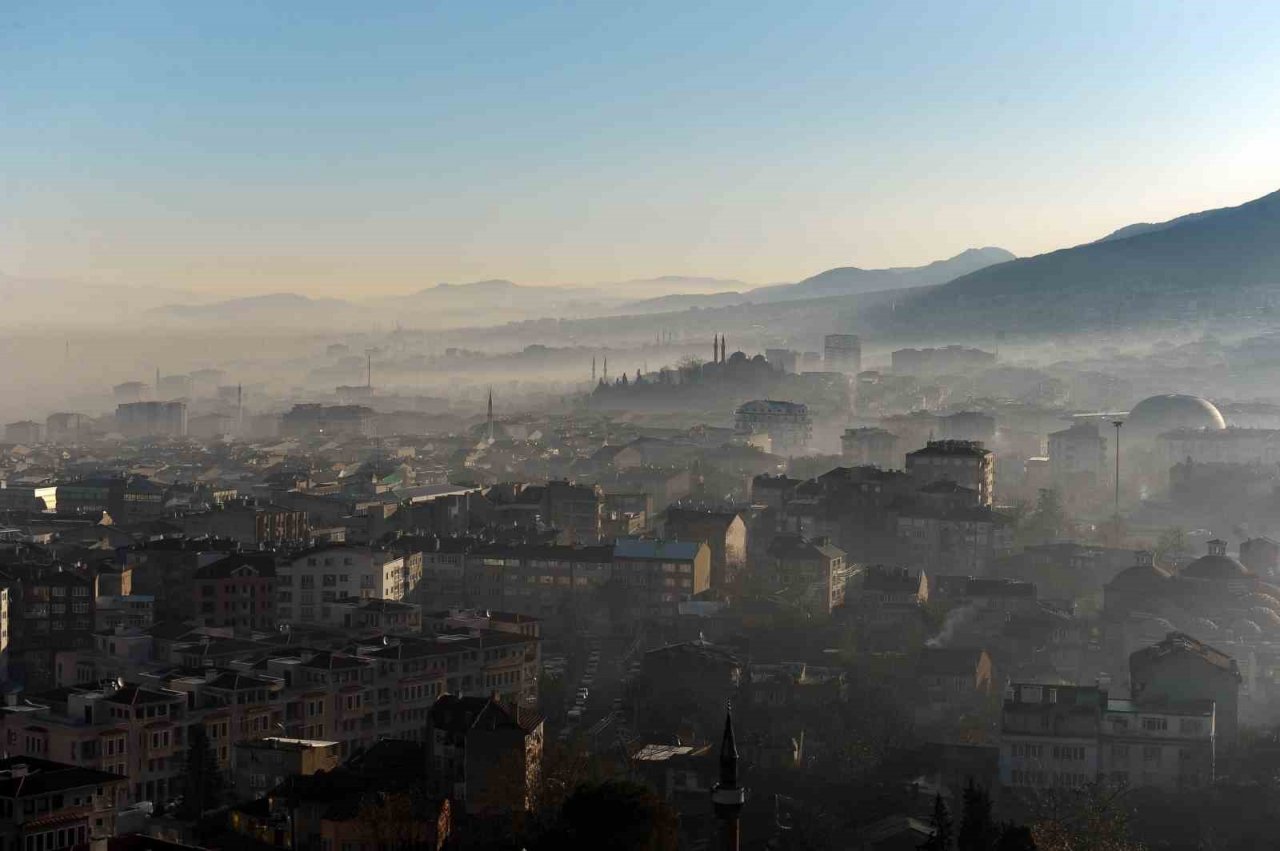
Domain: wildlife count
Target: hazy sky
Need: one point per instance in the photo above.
(379, 146)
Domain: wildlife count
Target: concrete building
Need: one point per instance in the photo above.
(238, 591)
(131, 391)
(1050, 736)
(1066, 737)
(659, 575)
(575, 511)
(1168, 746)
(308, 585)
(842, 353)
(485, 754)
(812, 573)
(329, 420)
(786, 424)
(874, 447)
(152, 419)
(56, 806)
(725, 532)
(67, 428)
(1181, 669)
(1078, 455)
(260, 765)
(26, 431)
(966, 462)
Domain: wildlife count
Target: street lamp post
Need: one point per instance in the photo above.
(1117, 424)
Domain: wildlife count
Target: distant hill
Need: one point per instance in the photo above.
(850, 280)
(289, 308)
(1143, 271)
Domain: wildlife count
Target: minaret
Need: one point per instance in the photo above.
(490, 418)
(728, 796)
(368, 369)
(239, 410)
(606, 369)
(715, 349)
(593, 369)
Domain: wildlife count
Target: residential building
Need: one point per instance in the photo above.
(26, 431)
(1050, 736)
(725, 532)
(966, 462)
(812, 573)
(842, 353)
(891, 595)
(54, 806)
(1078, 455)
(260, 765)
(251, 524)
(1168, 746)
(238, 591)
(874, 447)
(952, 681)
(575, 511)
(485, 754)
(1181, 669)
(327, 420)
(659, 575)
(786, 424)
(152, 419)
(310, 583)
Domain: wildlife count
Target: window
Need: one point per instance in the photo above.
(1155, 724)
(1151, 754)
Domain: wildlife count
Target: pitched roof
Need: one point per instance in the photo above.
(44, 776)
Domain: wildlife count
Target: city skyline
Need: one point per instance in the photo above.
(242, 151)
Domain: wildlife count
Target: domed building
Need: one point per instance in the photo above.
(1156, 415)
(1217, 566)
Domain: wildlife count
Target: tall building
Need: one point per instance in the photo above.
(152, 419)
(842, 353)
(786, 424)
(874, 447)
(965, 462)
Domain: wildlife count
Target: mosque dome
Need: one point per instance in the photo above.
(1217, 566)
(1264, 617)
(1159, 414)
(1139, 576)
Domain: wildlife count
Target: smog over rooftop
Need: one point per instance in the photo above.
(520, 425)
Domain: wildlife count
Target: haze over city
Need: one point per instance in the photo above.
(670, 427)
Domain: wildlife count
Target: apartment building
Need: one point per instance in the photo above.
(309, 584)
(52, 806)
(238, 591)
(130, 730)
(260, 765)
(1055, 736)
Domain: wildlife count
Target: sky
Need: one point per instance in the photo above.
(360, 149)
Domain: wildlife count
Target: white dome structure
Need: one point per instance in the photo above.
(1156, 415)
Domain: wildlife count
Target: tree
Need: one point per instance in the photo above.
(941, 824)
(1171, 545)
(206, 785)
(978, 830)
(1048, 521)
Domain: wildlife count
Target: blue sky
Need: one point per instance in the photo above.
(330, 148)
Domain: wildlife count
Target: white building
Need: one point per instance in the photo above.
(308, 587)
